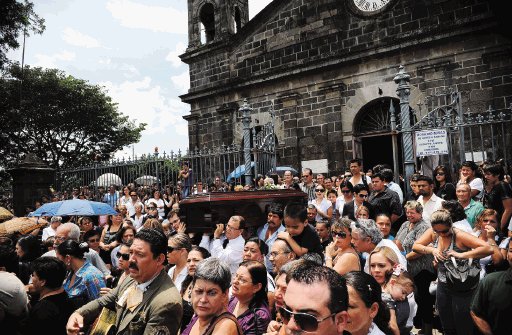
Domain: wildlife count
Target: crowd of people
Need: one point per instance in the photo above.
(361, 256)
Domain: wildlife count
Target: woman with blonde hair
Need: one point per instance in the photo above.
(384, 263)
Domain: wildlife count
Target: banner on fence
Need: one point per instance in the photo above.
(431, 142)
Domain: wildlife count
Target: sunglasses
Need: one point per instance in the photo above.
(171, 249)
(305, 321)
(439, 232)
(439, 174)
(93, 240)
(340, 234)
(319, 190)
(124, 257)
(363, 195)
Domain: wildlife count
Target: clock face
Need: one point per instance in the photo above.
(369, 7)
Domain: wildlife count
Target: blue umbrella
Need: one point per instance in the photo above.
(238, 172)
(74, 207)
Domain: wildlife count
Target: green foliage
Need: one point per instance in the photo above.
(16, 18)
(65, 121)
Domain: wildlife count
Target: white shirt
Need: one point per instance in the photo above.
(476, 184)
(463, 225)
(160, 203)
(340, 202)
(180, 278)
(368, 180)
(232, 255)
(429, 207)
(395, 187)
(130, 206)
(390, 244)
(323, 206)
(47, 232)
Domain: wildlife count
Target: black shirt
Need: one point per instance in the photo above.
(494, 199)
(309, 239)
(386, 201)
(49, 315)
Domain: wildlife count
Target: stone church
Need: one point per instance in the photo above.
(326, 68)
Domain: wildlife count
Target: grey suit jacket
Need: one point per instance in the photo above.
(159, 313)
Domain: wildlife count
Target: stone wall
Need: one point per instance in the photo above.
(320, 64)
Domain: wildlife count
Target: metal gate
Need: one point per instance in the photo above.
(475, 136)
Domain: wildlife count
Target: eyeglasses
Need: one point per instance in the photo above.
(93, 240)
(241, 279)
(275, 253)
(363, 195)
(231, 227)
(151, 208)
(340, 234)
(319, 190)
(440, 174)
(124, 257)
(305, 321)
(345, 191)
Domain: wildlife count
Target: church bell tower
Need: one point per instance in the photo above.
(215, 20)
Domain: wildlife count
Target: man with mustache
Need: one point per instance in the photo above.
(148, 302)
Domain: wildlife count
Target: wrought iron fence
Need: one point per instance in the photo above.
(476, 136)
(162, 170)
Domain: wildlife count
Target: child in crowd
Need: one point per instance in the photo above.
(399, 286)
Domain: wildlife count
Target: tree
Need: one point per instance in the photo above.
(16, 17)
(65, 121)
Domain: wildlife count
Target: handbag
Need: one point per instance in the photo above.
(462, 275)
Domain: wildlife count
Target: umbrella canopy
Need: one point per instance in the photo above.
(238, 172)
(74, 207)
(5, 214)
(146, 180)
(107, 179)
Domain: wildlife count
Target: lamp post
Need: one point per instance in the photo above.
(394, 141)
(246, 122)
(403, 91)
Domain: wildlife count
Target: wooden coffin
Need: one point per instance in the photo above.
(202, 212)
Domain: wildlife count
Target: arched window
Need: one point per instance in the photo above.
(207, 23)
(237, 19)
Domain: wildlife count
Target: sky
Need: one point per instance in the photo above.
(131, 48)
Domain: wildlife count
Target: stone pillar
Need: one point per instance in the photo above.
(31, 180)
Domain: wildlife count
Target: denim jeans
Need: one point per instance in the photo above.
(454, 310)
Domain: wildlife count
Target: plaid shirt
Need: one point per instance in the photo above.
(87, 283)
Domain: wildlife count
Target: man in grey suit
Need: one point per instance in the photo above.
(146, 303)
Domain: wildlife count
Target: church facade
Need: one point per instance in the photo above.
(326, 68)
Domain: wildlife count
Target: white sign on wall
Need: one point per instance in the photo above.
(431, 142)
(317, 166)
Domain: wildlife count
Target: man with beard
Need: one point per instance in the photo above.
(146, 303)
(428, 198)
(268, 232)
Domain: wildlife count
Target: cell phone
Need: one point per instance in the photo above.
(109, 282)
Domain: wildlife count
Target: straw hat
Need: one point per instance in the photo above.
(22, 225)
(5, 214)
